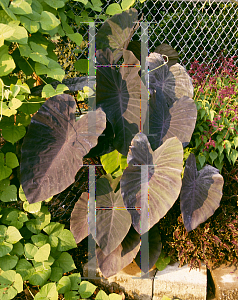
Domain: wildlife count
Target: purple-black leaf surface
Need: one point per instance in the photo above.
(79, 218)
(164, 178)
(113, 221)
(119, 94)
(117, 32)
(201, 193)
(121, 257)
(179, 120)
(174, 82)
(54, 147)
(155, 247)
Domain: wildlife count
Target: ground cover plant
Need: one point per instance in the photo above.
(144, 156)
(28, 255)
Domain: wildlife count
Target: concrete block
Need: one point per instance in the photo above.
(181, 283)
(128, 280)
(225, 279)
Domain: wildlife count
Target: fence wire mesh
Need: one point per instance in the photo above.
(198, 30)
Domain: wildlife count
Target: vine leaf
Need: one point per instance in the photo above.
(201, 193)
(54, 147)
(174, 82)
(121, 257)
(179, 120)
(164, 178)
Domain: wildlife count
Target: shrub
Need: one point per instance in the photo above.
(215, 137)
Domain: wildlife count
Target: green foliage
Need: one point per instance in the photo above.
(36, 255)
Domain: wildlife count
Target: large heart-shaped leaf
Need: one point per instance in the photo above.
(163, 183)
(164, 122)
(79, 218)
(54, 146)
(121, 256)
(116, 32)
(113, 221)
(155, 247)
(200, 194)
(119, 94)
(174, 82)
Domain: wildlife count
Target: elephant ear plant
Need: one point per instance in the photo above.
(56, 143)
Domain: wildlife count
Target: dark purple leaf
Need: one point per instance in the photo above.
(174, 82)
(200, 194)
(165, 49)
(54, 147)
(105, 143)
(119, 94)
(179, 120)
(121, 257)
(164, 178)
(117, 32)
(155, 247)
(113, 221)
(79, 218)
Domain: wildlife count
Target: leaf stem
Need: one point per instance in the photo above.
(29, 291)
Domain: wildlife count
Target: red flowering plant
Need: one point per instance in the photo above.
(215, 137)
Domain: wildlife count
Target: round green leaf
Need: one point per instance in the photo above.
(9, 194)
(162, 261)
(5, 248)
(65, 262)
(56, 273)
(86, 289)
(76, 37)
(64, 285)
(25, 269)
(66, 241)
(43, 253)
(48, 291)
(113, 9)
(115, 296)
(39, 239)
(101, 295)
(81, 65)
(75, 281)
(11, 160)
(7, 64)
(31, 26)
(8, 262)
(48, 21)
(5, 172)
(13, 133)
(17, 249)
(13, 235)
(30, 250)
(126, 4)
(20, 7)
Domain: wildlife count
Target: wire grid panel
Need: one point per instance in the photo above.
(195, 29)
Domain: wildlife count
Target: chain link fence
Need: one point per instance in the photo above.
(198, 30)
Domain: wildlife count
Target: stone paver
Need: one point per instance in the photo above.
(129, 280)
(181, 283)
(225, 279)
